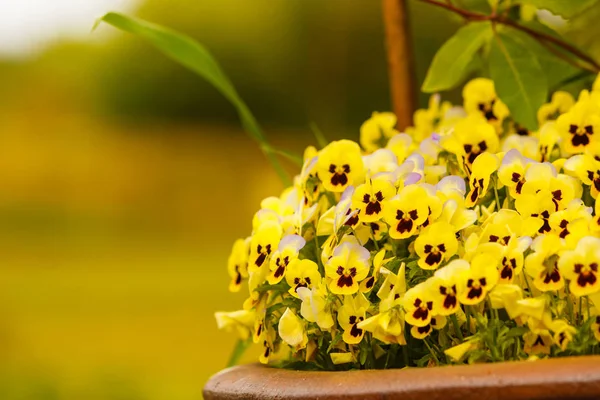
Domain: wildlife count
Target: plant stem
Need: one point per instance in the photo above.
(431, 351)
(456, 327)
(400, 60)
(501, 19)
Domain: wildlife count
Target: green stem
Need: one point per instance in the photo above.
(468, 316)
(456, 327)
(569, 304)
(405, 355)
(580, 316)
(431, 351)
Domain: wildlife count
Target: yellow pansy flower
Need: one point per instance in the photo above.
(572, 223)
(346, 268)
(406, 211)
(340, 165)
(388, 324)
(375, 132)
(314, 306)
(240, 321)
(287, 251)
(511, 172)
(263, 243)
(563, 333)
(302, 273)
(542, 264)
(535, 210)
(291, 330)
(444, 286)
(560, 103)
(401, 145)
(418, 304)
(370, 197)
(528, 146)
(480, 98)
(549, 136)
(587, 169)
(435, 244)
(268, 343)
(342, 358)
(471, 137)
(580, 266)
(378, 262)
(579, 126)
(511, 263)
(351, 313)
(482, 169)
(237, 264)
(537, 342)
(481, 278)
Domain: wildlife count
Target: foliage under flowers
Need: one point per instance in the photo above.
(466, 239)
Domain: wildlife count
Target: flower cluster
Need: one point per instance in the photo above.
(468, 238)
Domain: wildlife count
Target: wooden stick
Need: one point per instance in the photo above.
(400, 60)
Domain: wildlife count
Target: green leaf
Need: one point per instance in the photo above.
(452, 59)
(238, 351)
(565, 8)
(192, 55)
(518, 78)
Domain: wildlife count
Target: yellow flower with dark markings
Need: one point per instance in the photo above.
(264, 242)
(482, 169)
(560, 103)
(406, 211)
(418, 305)
(481, 278)
(542, 264)
(511, 172)
(563, 333)
(435, 244)
(237, 264)
(287, 252)
(480, 98)
(580, 126)
(302, 273)
(370, 198)
(377, 130)
(314, 306)
(348, 266)
(471, 137)
(268, 343)
(537, 342)
(350, 315)
(444, 286)
(572, 223)
(340, 165)
(580, 266)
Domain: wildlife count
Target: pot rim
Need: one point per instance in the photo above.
(556, 378)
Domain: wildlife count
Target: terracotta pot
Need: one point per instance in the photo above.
(558, 378)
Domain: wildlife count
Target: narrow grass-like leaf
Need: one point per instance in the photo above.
(192, 55)
(238, 351)
(518, 78)
(451, 62)
(321, 141)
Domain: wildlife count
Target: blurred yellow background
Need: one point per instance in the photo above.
(124, 179)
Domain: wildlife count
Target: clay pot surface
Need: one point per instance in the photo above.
(558, 378)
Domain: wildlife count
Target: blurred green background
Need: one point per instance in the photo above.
(124, 178)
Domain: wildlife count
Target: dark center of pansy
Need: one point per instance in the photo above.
(301, 282)
(487, 109)
(422, 309)
(339, 175)
(354, 330)
(373, 203)
(405, 220)
(516, 178)
(477, 185)
(586, 274)
(580, 134)
(594, 176)
(539, 341)
(508, 267)
(475, 288)
(473, 150)
(263, 252)
(434, 254)
(346, 276)
(353, 220)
